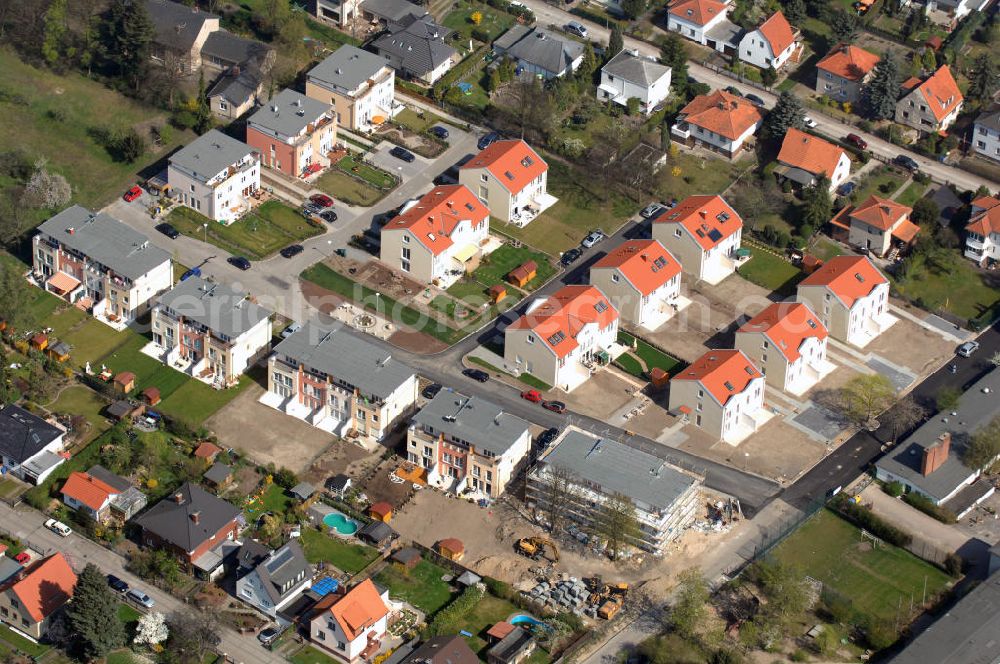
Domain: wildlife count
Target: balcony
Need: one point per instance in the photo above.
(681, 130)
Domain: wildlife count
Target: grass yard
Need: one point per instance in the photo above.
(487, 612)
(81, 400)
(372, 175)
(825, 249)
(47, 310)
(8, 488)
(882, 182)
(494, 22)
(644, 353)
(911, 194)
(310, 655)
(415, 123)
(829, 549)
(15, 640)
(421, 586)
(496, 266)
(770, 271)
(120, 657)
(92, 340)
(275, 500)
(348, 556)
(194, 401)
(524, 377)
(698, 175)
(961, 289)
(347, 189)
(271, 227)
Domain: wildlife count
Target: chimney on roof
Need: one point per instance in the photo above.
(195, 517)
(179, 498)
(704, 214)
(70, 230)
(936, 454)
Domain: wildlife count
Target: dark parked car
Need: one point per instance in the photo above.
(431, 391)
(554, 406)
(856, 141)
(117, 584)
(907, 162)
(440, 132)
(476, 374)
(488, 140)
(328, 216)
(402, 153)
(547, 437)
(570, 255)
(321, 200)
(755, 100)
(846, 189)
(239, 261)
(292, 250)
(168, 230)
(733, 90)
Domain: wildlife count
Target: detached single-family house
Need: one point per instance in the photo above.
(215, 175)
(539, 51)
(631, 75)
(292, 131)
(705, 22)
(338, 12)
(389, 12)
(352, 626)
(442, 232)
(29, 445)
(932, 104)
(102, 495)
(559, 339)
(986, 134)
(100, 264)
(719, 121)
(444, 649)
(270, 580)
(844, 71)
(805, 158)
(982, 233)
(210, 331)
(879, 225)
(179, 33)
(360, 86)
(704, 233)
(467, 443)
(416, 48)
(642, 279)
(510, 179)
(851, 298)
(771, 44)
(721, 392)
(787, 342)
(338, 382)
(31, 599)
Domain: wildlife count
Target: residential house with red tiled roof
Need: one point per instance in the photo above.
(29, 600)
(439, 236)
(771, 44)
(787, 342)
(642, 280)
(351, 626)
(704, 233)
(877, 224)
(719, 121)
(722, 393)
(805, 158)
(510, 179)
(560, 337)
(845, 69)
(982, 233)
(102, 495)
(930, 105)
(703, 21)
(851, 298)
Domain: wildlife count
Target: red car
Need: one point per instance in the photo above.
(321, 200)
(857, 141)
(534, 396)
(22, 557)
(554, 406)
(132, 194)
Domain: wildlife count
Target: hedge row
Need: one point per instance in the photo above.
(863, 517)
(928, 507)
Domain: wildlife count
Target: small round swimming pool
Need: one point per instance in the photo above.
(528, 621)
(340, 523)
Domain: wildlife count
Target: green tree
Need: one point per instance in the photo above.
(93, 614)
(54, 32)
(878, 96)
(271, 16)
(928, 60)
(493, 82)
(617, 523)
(768, 76)
(585, 72)
(947, 398)
(632, 105)
(673, 53)
(819, 205)
(128, 39)
(203, 114)
(665, 139)
(843, 26)
(982, 79)
(15, 297)
(633, 9)
(984, 445)
(690, 606)
(787, 113)
(616, 42)
(795, 11)
(925, 211)
(865, 396)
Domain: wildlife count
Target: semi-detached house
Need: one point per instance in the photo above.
(770, 45)
(704, 233)
(215, 175)
(982, 233)
(642, 280)
(719, 121)
(416, 47)
(291, 132)
(510, 179)
(540, 52)
(29, 446)
(630, 75)
(704, 22)
(360, 86)
(842, 73)
(932, 104)
(352, 626)
(804, 159)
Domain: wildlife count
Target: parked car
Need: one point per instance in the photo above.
(856, 141)
(431, 391)
(651, 210)
(312, 208)
(290, 330)
(593, 237)
(534, 396)
(733, 90)
(809, 122)
(132, 194)
(168, 230)
(554, 406)
(22, 557)
(546, 437)
(292, 250)
(267, 635)
(193, 272)
(476, 374)
(488, 140)
(59, 528)
(968, 348)
(846, 189)
(239, 262)
(907, 162)
(321, 200)
(755, 100)
(570, 255)
(117, 584)
(439, 131)
(140, 598)
(576, 28)
(402, 153)
(329, 216)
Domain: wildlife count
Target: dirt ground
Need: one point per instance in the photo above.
(831, 383)
(601, 396)
(653, 421)
(347, 458)
(378, 487)
(267, 435)
(912, 346)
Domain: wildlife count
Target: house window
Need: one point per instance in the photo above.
(697, 420)
(404, 265)
(677, 232)
(341, 645)
(223, 106)
(614, 278)
(406, 253)
(530, 338)
(484, 177)
(406, 239)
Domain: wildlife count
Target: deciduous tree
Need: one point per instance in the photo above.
(690, 606)
(54, 36)
(617, 523)
(559, 490)
(151, 629)
(925, 211)
(93, 614)
(984, 446)
(191, 634)
(865, 396)
(947, 398)
(903, 416)
(819, 205)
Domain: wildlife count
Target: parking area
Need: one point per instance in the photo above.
(406, 170)
(983, 522)
(602, 396)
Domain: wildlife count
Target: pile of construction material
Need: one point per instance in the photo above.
(567, 594)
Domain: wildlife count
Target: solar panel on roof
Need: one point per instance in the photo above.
(714, 235)
(279, 560)
(601, 307)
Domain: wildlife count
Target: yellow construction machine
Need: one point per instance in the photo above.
(535, 547)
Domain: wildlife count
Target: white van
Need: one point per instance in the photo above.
(59, 528)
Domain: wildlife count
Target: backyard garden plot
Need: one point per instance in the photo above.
(258, 235)
(770, 271)
(476, 20)
(354, 182)
(644, 358)
(421, 586)
(348, 556)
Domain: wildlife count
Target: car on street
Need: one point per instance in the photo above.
(439, 131)
(22, 557)
(570, 256)
(239, 262)
(546, 437)
(857, 141)
(292, 250)
(290, 330)
(168, 230)
(117, 584)
(846, 189)
(431, 390)
(755, 100)
(267, 635)
(809, 122)
(651, 210)
(132, 194)
(321, 200)
(476, 374)
(140, 598)
(968, 348)
(488, 140)
(593, 237)
(534, 396)
(554, 406)
(58, 527)
(402, 153)
(576, 28)
(329, 216)
(907, 162)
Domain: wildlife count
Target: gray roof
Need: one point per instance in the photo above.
(990, 119)
(219, 307)
(975, 409)
(392, 10)
(176, 25)
(540, 47)
(232, 50)
(210, 154)
(635, 68)
(218, 473)
(726, 32)
(237, 85)
(481, 423)
(419, 44)
(468, 578)
(285, 565)
(8, 568)
(23, 435)
(114, 481)
(406, 555)
(348, 67)
(450, 649)
(303, 490)
(106, 240)
(511, 646)
(617, 468)
(376, 531)
(967, 633)
(342, 355)
(172, 521)
(289, 113)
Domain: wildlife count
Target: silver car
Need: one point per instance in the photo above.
(140, 598)
(968, 348)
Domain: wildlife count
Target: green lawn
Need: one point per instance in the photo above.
(194, 401)
(496, 266)
(911, 194)
(374, 176)
(415, 123)
(271, 227)
(960, 288)
(81, 400)
(770, 271)
(829, 549)
(698, 175)
(494, 23)
(310, 655)
(9, 488)
(21, 643)
(882, 182)
(344, 188)
(346, 555)
(649, 355)
(524, 377)
(53, 312)
(487, 612)
(275, 499)
(120, 657)
(421, 586)
(825, 249)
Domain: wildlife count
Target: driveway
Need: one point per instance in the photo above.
(912, 520)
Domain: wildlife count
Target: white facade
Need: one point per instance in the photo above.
(710, 265)
(402, 249)
(31, 471)
(695, 32)
(644, 310)
(619, 89)
(492, 192)
(865, 319)
(982, 248)
(326, 631)
(795, 377)
(986, 139)
(756, 49)
(741, 415)
(686, 129)
(250, 589)
(223, 196)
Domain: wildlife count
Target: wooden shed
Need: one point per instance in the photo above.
(39, 341)
(124, 382)
(151, 395)
(207, 451)
(523, 273)
(59, 351)
(811, 263)
(658, 377)
(451, 548)
(497, 292)
(381, 511)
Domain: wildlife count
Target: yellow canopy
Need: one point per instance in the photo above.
(465, 253)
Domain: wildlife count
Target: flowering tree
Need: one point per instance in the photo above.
(476, 17)
(151, 630)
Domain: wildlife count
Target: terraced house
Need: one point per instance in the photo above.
(510, 179)
(340, 383)
(291, 132)
(215, 175)
(359, 85)
(704, 233)
(99, 264)
(851, 297)
(932, 104)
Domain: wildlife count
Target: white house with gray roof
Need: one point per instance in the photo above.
(215, 175)
(29, 445)
(986, 134)
(629, 75)
(340, 383)
(467, 444)
(538, 51)
(416, 48)
(269, 580)
(665, 497)
(361, 86)
(209, 330)
(100, 264)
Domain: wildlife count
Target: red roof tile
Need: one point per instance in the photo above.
(699, 12)
(560, 318)
(87, 489)
(810, 153)
(438, 213)
(722, 113)
(359, 609)
(847, 277)
(985, 216)
(646, 264)
(45, 588)
(848, 61)
(513, 163)
(777, 32)
(207, 450)
(500, 630)
(382, 509)
(881, 213)
(941, 92)
(709, 219)
(722, 373)
(786, 325)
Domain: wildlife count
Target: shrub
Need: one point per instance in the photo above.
(953, 564)
(863, 517)
(894, 489)
(928, 507)
(480, 34)
(497, 587)
(443, 621)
